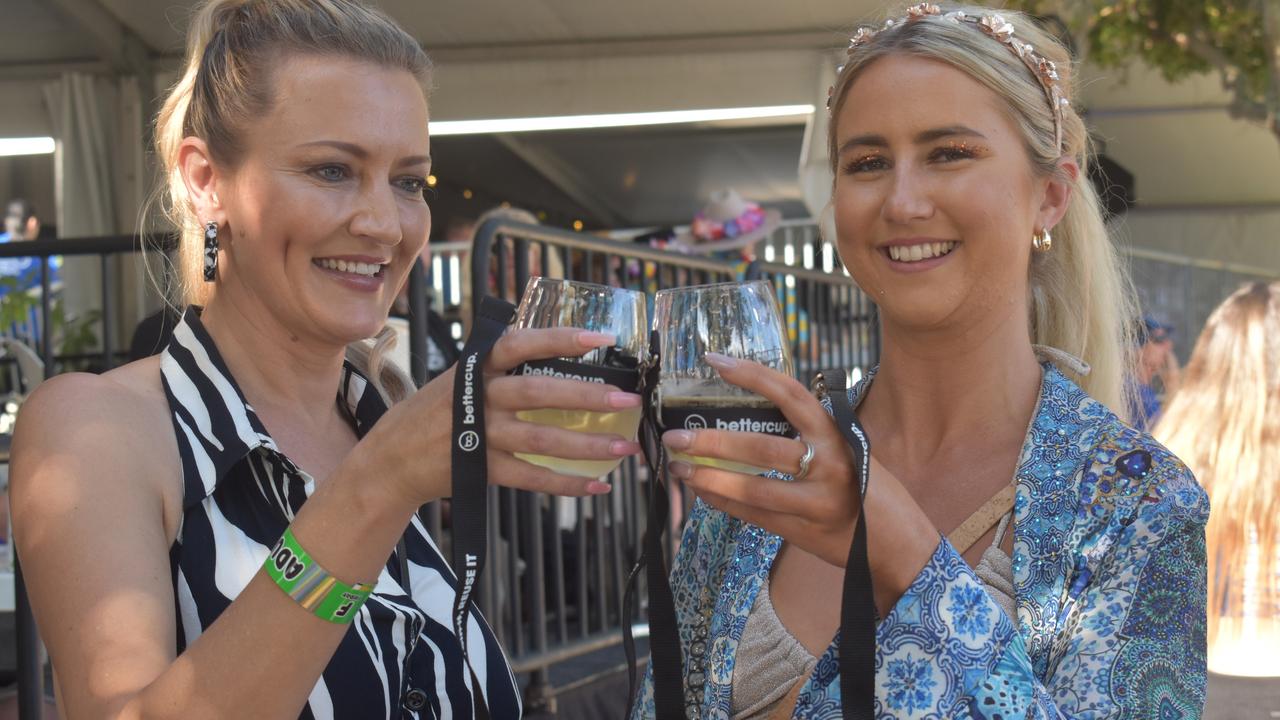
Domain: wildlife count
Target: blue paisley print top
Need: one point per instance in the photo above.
(1109, 572)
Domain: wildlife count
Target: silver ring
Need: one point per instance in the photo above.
(804, 460)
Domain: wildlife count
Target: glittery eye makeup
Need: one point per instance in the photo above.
(868, 162)
(957, 150)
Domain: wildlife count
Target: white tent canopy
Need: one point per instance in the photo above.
(1207, 185)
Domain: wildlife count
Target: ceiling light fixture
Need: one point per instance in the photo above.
(26, 146)
(584, 122)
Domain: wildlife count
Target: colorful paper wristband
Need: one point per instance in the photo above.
(310, 585)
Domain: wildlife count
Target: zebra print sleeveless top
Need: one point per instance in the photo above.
(400, 658)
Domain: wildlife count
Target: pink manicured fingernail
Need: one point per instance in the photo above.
(623, 448)
(596, 487)
(680, 469)
(590, 339)
(624, 400)
(677, 439)
(720, 362)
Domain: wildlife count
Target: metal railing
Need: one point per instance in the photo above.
(553, 589)
(554, 585)
(566, 598)
(1182, 291)
(30, 672)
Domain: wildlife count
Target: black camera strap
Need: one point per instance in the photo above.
(857, 601)
(471, 470)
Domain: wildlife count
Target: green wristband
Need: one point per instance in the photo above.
(310, 585)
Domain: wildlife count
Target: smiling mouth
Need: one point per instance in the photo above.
(352, 268)
(921, 251)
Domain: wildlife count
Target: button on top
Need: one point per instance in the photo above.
(415, 699)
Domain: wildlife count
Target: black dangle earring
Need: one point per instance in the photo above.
(210, 251)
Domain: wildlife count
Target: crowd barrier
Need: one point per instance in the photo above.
(553, 587)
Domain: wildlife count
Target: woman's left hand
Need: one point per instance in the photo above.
(817, 512)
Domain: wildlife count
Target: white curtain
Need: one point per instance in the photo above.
(100, 179)
(815, 168)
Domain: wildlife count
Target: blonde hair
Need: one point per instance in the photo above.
(227, 85)
(1081, 300)
(1224, 422)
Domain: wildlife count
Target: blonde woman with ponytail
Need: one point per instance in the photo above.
(228, 530)
(1224, 420)
(1032, 555)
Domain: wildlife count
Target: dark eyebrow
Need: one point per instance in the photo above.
(929, 136)
(349, 148)
(414, 160)
(924, 137)
(359, 152)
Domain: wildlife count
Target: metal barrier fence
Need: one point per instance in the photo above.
(29, 670)
(567, 598)
(1183, 291)
(553, 588)
(554, 585)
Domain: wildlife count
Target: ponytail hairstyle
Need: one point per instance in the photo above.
(232, 46)
(1081, 300)
(1224, 422)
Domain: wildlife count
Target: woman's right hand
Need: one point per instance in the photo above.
(411, 446)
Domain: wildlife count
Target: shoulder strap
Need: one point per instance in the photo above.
(982, 519)
(857, 644)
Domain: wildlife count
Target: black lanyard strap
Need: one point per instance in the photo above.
(857, 603)
(857, 645)
(665, 659)
(471, 468)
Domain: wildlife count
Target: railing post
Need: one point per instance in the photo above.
(418, 324)
(30, 669)
(108, 343)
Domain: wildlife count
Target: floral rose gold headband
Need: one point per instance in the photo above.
(996, 27)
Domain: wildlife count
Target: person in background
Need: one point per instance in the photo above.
(20, 223)
(1156, 374)
(508, 290)
(1224, 421)
(22, 275)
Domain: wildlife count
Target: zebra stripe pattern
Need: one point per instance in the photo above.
(400, 657)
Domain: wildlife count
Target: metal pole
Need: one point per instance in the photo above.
(418, 324)
(108, 344)
(30, 670)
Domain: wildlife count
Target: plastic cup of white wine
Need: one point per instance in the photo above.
(740, 320)
(551, 303)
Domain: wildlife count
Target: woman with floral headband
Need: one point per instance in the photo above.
(1031, 554)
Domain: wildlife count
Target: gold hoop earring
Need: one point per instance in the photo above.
(1042, 241)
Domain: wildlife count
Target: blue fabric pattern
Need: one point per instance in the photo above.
(1109, 577)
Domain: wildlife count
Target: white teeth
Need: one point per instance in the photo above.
(355, 268)
(923, 251)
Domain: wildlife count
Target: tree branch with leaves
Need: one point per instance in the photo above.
(1239, 40)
